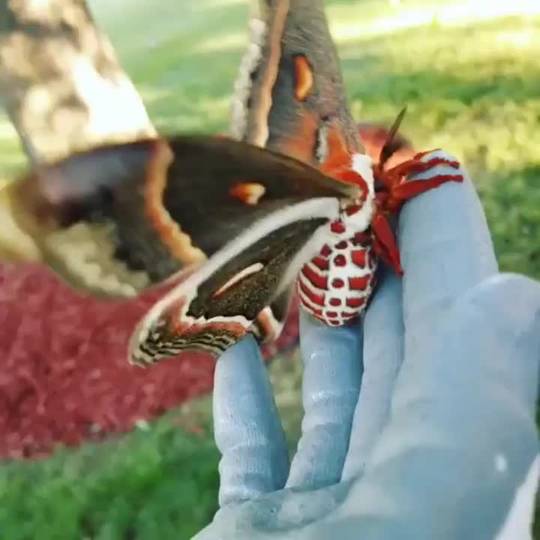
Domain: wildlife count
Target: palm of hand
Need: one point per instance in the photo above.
(402, 430)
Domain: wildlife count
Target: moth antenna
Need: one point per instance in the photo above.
(388, 149)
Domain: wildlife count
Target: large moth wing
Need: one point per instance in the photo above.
(289, 97)
(117, 219)
(219, 303)
(289, 94)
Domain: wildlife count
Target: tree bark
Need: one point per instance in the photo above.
(63, 89)
(60, 80)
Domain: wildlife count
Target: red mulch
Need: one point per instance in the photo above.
(64, 375)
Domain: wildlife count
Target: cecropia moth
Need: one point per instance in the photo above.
(231, 227)
(234, 224)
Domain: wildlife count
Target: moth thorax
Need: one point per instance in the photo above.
(362, 165)
(356, 215)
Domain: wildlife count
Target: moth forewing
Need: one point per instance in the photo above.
(170, 327)
(92, 216)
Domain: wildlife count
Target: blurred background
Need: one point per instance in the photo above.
(469, 73)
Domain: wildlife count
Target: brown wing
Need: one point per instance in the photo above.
(289, 93)
(120, 218)
(217, 305)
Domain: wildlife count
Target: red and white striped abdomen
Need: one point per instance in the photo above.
(336, 284)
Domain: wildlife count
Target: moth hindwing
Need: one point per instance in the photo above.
(289, 93)
(218, 304)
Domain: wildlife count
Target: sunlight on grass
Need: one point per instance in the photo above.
(156, 24)
(478, 101)
(364, 19)
(232, 41)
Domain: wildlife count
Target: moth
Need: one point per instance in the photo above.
(230, 227)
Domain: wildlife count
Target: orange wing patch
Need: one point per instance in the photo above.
(303, 76)
(248, 192)
(338, 156)
(301, 142)
(168, 229)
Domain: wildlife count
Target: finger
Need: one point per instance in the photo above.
(383, 355)
(458, 450)
(445, 248)
(331, 382)
(247, 428)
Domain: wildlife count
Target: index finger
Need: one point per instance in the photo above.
(445, 247)
(247, 429)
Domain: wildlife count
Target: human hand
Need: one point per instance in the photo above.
(419, 420)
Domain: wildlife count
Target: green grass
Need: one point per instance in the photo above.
(470, 87)
(158, 482)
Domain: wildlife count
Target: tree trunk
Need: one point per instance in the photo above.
(63, 89)
(60, 80)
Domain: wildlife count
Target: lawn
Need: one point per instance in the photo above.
(471, 80)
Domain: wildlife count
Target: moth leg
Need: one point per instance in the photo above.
(399, 189)
(412, 188)
(385, 244)
(271, 320)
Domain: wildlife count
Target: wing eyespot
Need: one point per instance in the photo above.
(303, 76)
(249, 193)
(243, 274)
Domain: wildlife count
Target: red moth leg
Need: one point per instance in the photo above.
(437, 170)
(384, 242)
